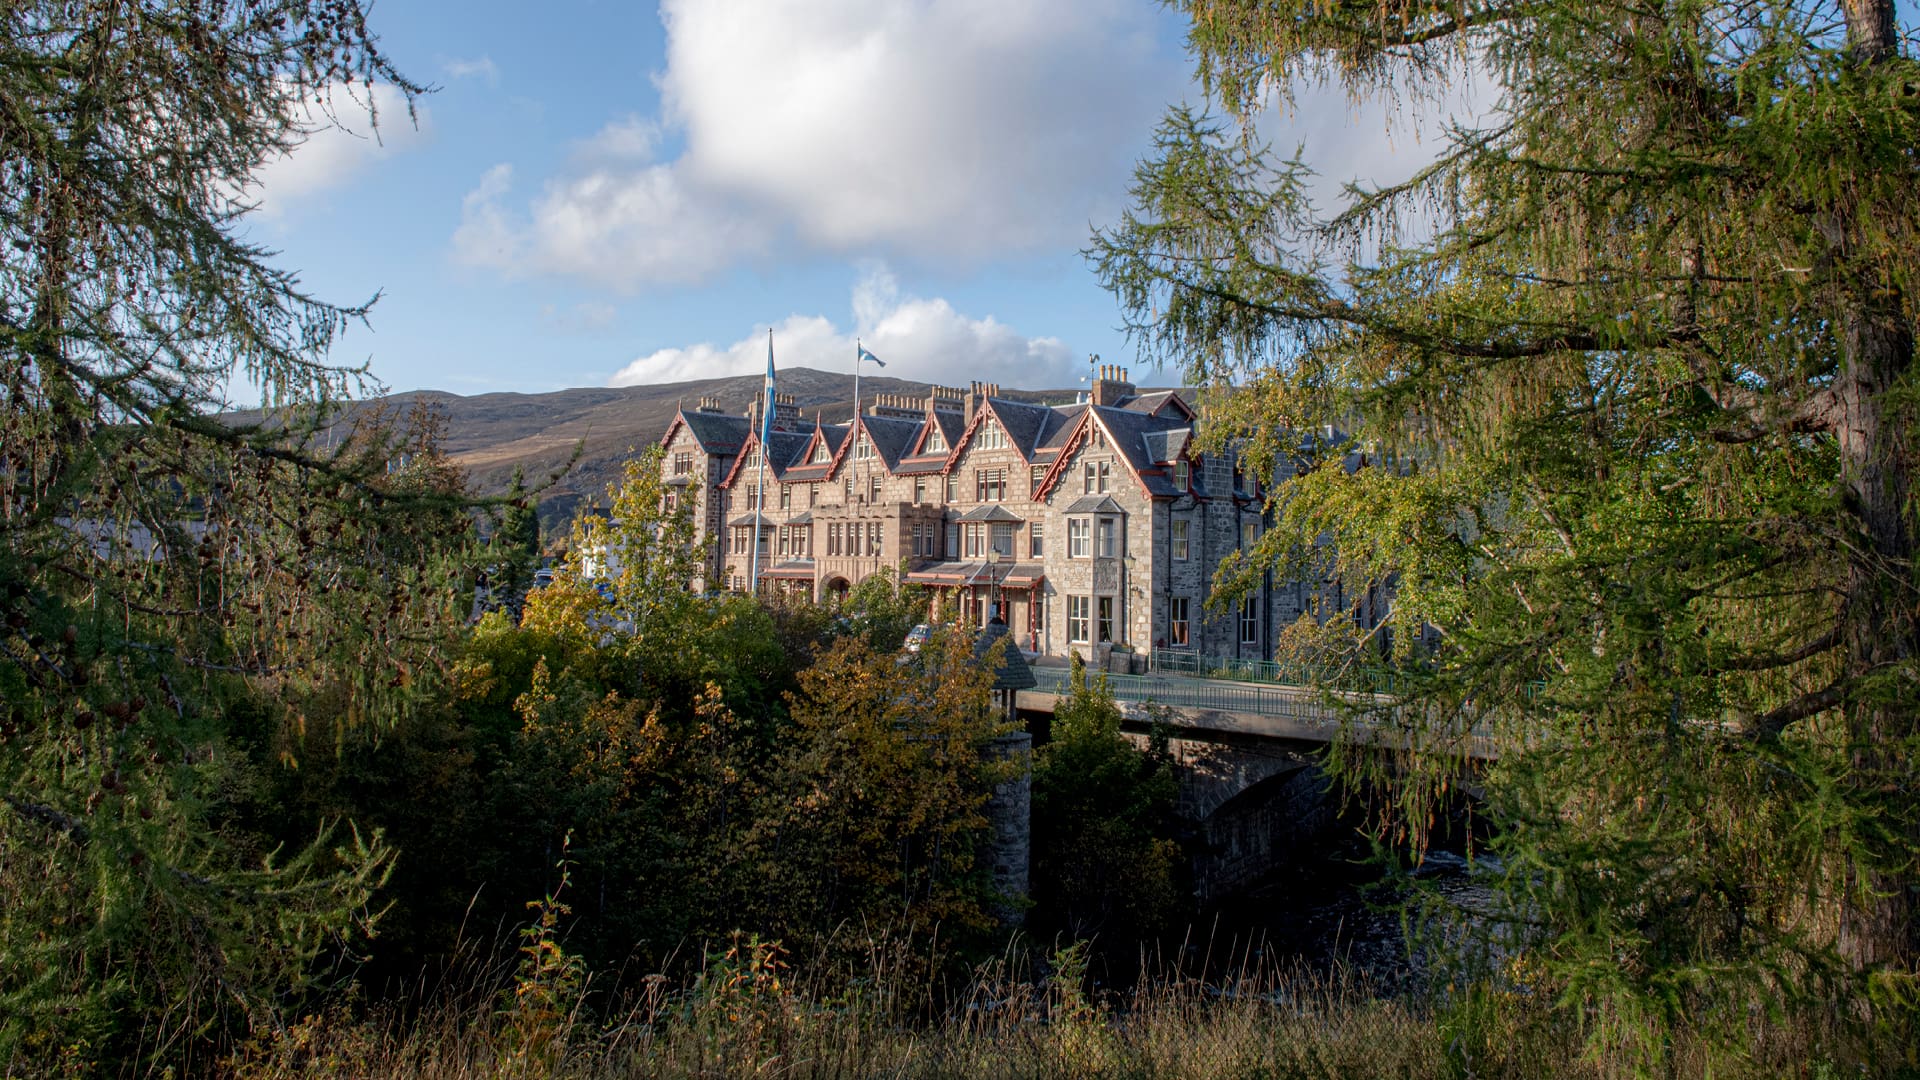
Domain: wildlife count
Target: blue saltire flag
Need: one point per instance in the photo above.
(865, 355)
(766, 411)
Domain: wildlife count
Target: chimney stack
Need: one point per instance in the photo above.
(1112, 387)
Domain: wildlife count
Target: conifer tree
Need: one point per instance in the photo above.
(177, 590)
(1635, 356)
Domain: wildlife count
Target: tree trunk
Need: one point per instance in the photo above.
(1877, 925)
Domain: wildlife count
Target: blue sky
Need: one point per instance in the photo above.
(602, 193)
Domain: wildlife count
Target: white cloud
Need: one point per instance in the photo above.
(342, 139)
(937, 130)
(917, 338)
(479, 67)
(610, 223)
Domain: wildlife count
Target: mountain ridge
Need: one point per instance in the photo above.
(489, 435)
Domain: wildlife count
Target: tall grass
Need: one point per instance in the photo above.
(747, 1013)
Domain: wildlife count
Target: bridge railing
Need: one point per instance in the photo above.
(1317, 719)
(1185, 662)
(1197, 694)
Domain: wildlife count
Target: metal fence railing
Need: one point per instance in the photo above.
(1199, 665)
(1197, 694)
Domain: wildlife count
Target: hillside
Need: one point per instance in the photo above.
(490, 434)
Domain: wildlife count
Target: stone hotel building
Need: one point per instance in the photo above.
(1092, 525)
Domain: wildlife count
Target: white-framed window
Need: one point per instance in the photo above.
(1105, 607)
(953, 541)
(953, 487)
(990, 485)
(919, 489)
(990, 436)
(1077, 618)
(1177, 621)
(1001, 537)
(820, 452)
(682, 463)
(846, 486)
(1036, 541)
(936, 441)
(786, 496)
(1107, 537)
(976, 540)
(1095, 476)
(1249, 532)
(1079, 538)
(1182, 475)
(1181, 544)
(1250, 620)
(873, 488)
(863, 449)
(876, 535)
(1036, 475)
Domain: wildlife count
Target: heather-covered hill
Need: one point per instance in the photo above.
(490, 434)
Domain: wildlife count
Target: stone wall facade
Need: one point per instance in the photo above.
(1090, 527)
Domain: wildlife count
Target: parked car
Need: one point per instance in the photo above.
(918, 636)
(542, 578)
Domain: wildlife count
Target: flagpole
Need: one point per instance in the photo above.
(853, 429)
(760, 481)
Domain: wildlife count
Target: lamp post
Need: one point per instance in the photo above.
(993, 560)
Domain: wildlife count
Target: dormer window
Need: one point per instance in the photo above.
(1182, 475)
(863, 450)
(936, 441)
(991, 436)
(820, 452)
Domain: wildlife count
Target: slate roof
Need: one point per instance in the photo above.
(1094, 504)
(952, 425)
(1012, 672)
(833, 435)
(892, 437)
(1129, 433)
(1152, 403)
(990, 512)
(1024, 423)
(1165, 446)
(1060, 426)
(785, 448)
(717, 433)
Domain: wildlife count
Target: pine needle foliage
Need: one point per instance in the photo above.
(1631, 364)
(182, 596)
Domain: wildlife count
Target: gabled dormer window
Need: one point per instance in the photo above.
(936, 441)
(820, 452)
(863, 450)
(991, 436)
